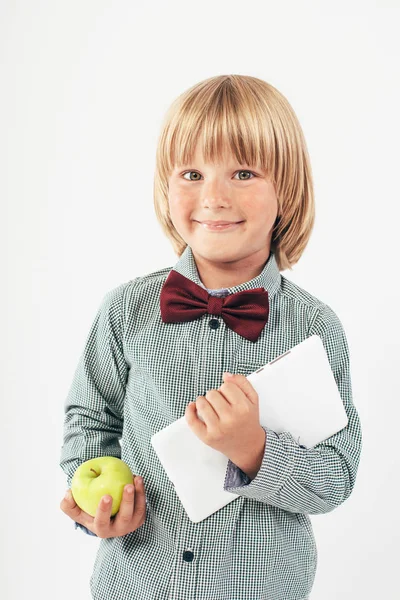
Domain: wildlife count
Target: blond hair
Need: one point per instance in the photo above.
(261, 128)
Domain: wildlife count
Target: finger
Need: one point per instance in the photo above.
(132, 509)
(220, 403)
(103, 514)
(233, 396)
(140, 499)
(194, 418)
(214, 407)
(125, 513)
(244, 385)
(70, 507)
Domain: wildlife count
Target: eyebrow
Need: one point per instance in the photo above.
(183, 166)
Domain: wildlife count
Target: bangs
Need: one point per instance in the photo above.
(221, 120)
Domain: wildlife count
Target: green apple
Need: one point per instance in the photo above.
(98, 477)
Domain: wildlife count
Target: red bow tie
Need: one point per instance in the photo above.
(244, 312)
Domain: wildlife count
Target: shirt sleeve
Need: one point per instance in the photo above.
(85, 529)
(94, 406)
(309, 480)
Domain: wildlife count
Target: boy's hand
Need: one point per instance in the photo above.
(230, 420)
(131, 514)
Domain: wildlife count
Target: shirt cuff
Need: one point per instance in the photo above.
(235, 477)
(277, 465)
(85, 529)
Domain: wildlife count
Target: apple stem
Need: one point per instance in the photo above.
(94, 472)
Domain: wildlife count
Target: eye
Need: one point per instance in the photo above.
(246, 171)
(241, 171)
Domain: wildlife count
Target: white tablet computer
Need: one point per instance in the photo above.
(297, 393)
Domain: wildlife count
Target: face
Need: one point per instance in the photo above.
(226, 191)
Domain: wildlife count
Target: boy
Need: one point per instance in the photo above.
(231, 149)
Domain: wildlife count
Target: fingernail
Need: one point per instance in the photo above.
(228, 374)
(67, 495)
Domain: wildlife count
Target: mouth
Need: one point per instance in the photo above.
(220, 227)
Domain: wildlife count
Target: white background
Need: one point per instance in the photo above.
(84, 87)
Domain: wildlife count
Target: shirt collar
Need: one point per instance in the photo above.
(269, 278)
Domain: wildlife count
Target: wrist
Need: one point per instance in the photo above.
(250, 462)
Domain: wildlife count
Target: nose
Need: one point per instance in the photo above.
(215, 193)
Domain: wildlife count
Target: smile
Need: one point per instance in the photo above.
(221, 228)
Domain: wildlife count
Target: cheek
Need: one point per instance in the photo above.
(262, 210)
(180, 210)
(174, 199)
(180, 202)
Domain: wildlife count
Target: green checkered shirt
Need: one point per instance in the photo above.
(136, 375)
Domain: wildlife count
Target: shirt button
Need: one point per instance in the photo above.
(188, 556)
(213, 323)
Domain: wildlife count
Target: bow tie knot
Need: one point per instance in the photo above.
(245, 312)
(215, 304)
